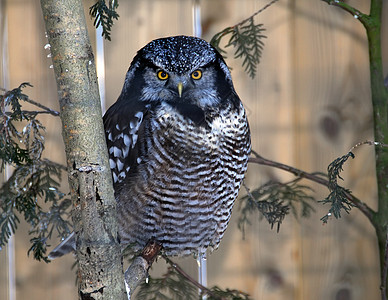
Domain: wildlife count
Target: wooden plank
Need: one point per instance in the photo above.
(332, 113)
(308, 105)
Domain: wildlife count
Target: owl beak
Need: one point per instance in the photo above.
(180, 89)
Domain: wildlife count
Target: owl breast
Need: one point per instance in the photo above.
(185, 186)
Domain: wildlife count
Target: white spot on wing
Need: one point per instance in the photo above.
(114, 177)
(135, 124)
(139, 115)
(127, 140)
(116, 151)
(112, 163)
(125, 152)
(134, 139)
(120, 165)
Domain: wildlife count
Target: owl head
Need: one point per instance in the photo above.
(178, 69)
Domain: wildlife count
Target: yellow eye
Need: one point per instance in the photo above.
(162, 75)
(197, 74)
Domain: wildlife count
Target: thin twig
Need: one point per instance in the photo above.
(47, 110)
(371, 143)
(364, 208)
(364, 18)
(55, 164)
(189, 278)
(256, 13)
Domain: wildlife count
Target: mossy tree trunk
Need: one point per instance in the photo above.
(100, 274)
(372, 25)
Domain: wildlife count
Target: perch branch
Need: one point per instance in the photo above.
(137, 272)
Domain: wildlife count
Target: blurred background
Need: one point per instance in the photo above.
(308, 104)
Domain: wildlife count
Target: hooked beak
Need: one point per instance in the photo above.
(180, 89)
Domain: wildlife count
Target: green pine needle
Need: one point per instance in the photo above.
(170, 286)
(338, 195)
(103, 15)
(247, 39)
(34, 180)
(275, 200)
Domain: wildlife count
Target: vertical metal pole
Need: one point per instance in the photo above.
(197, 26)
(197, 31)
(7, 171)
(100, 66)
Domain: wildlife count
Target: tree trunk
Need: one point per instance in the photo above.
(100, 274)
(380, 116)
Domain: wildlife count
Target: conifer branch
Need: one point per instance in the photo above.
(247, 39)
(34, 180)
(104, 14)
(274, 200)
(363, 207)
(177, 284)
(16, 93)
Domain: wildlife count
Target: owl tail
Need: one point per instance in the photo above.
(67, 246)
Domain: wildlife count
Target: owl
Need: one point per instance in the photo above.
(178, 141)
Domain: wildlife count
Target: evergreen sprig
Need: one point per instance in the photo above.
(247, 39)
(11, 152)
(274, 200)
(34, 180)
(175, 285)
(227, 294)
(338, 195)
(171, 285)
(104, 14)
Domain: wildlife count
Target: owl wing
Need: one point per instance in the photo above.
(124, 126)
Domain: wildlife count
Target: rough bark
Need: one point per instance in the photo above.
(100, 274)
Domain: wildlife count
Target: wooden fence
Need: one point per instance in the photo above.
(309, 103)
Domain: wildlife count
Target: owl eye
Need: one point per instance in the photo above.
(197, 74)
(162, 75)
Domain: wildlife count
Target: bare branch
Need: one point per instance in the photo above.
(371, 143)
(363, 18)
(256, 13)
(47, 110)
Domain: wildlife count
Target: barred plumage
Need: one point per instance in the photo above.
(178, 141)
